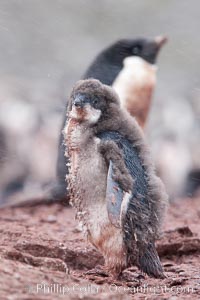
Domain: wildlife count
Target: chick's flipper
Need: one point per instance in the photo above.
(115, 196)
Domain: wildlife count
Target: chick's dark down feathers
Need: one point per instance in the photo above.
(141, 213)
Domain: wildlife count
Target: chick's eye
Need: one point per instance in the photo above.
(95, 101)
(137, 49)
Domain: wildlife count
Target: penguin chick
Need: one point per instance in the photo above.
(136, 82)
(112, 184)
(129, 66)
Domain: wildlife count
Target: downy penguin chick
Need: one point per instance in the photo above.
(112, 184)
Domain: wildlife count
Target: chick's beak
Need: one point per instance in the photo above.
(79, 102)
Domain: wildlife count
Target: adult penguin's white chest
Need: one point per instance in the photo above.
(135, 85)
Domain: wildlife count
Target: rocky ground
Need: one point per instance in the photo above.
(43, 256)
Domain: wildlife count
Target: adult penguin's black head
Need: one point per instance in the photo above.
(109, 62)
(144, 48)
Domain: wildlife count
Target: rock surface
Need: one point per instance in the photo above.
(44, 256)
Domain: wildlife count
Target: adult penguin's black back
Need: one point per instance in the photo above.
(192, 183)
(106, 67)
